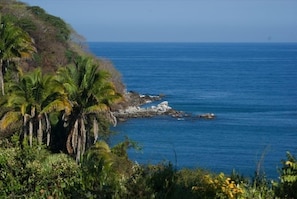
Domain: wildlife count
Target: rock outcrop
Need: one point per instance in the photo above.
(134, 109)
(138, 112)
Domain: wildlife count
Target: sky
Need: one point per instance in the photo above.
(178, 20)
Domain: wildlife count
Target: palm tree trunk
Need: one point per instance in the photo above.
(31, 126)
(25, 127)
(113, 118)
(68, 143)
(30, 132)
(39, 131)
(83, 136)
(95, 129)
(75, 135)
(1, 77)
(48, 129)
(78, 149)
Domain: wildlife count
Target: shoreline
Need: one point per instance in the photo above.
(134, 108)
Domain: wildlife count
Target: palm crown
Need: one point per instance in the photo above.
(90, 94)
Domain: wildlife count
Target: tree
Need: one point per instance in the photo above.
(14, 44)
(91, 95)
(32, 99)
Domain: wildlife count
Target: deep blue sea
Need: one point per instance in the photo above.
(251, 87)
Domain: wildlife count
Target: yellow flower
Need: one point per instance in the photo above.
(289, 163)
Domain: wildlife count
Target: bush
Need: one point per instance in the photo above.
(136, 184)
(161, 179)
(287, 186)
(35, 173)
(100, 177)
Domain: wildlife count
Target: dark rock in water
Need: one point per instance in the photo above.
(135, 99)
(207, 116)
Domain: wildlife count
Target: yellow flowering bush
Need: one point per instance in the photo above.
(224, 186)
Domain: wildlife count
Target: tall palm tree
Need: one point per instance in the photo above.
(91, 94)
(32, 99)
(14, 44)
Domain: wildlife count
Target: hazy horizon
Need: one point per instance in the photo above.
(211, 21)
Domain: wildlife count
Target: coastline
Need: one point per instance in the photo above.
(134, 108)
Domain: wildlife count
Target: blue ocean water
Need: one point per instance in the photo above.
(251, 87)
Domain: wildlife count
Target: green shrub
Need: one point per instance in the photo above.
(259, 188)
(136, 184)
(191, 184)
(161, 180)
(287, 187)
(35, 173)
(99, 176)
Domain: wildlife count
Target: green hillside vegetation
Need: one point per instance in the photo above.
(57, 44)
(56, 105)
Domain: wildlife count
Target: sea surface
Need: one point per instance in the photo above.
(250, 87)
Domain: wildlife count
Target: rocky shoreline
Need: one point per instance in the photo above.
(134, 108)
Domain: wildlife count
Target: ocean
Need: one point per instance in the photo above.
(250, 87)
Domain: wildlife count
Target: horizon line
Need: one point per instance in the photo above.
(266, 42)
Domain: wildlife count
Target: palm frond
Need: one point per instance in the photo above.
(58, 105)
(8, 119)
(97, 108)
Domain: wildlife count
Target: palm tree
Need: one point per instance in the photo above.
(32, 99)
(14, 44)
(91, 95)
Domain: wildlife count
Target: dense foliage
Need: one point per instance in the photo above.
(54, 126)
(34, 172)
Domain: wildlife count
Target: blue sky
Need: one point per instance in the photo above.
(178, 20)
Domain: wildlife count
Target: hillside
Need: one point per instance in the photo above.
(55, 40)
